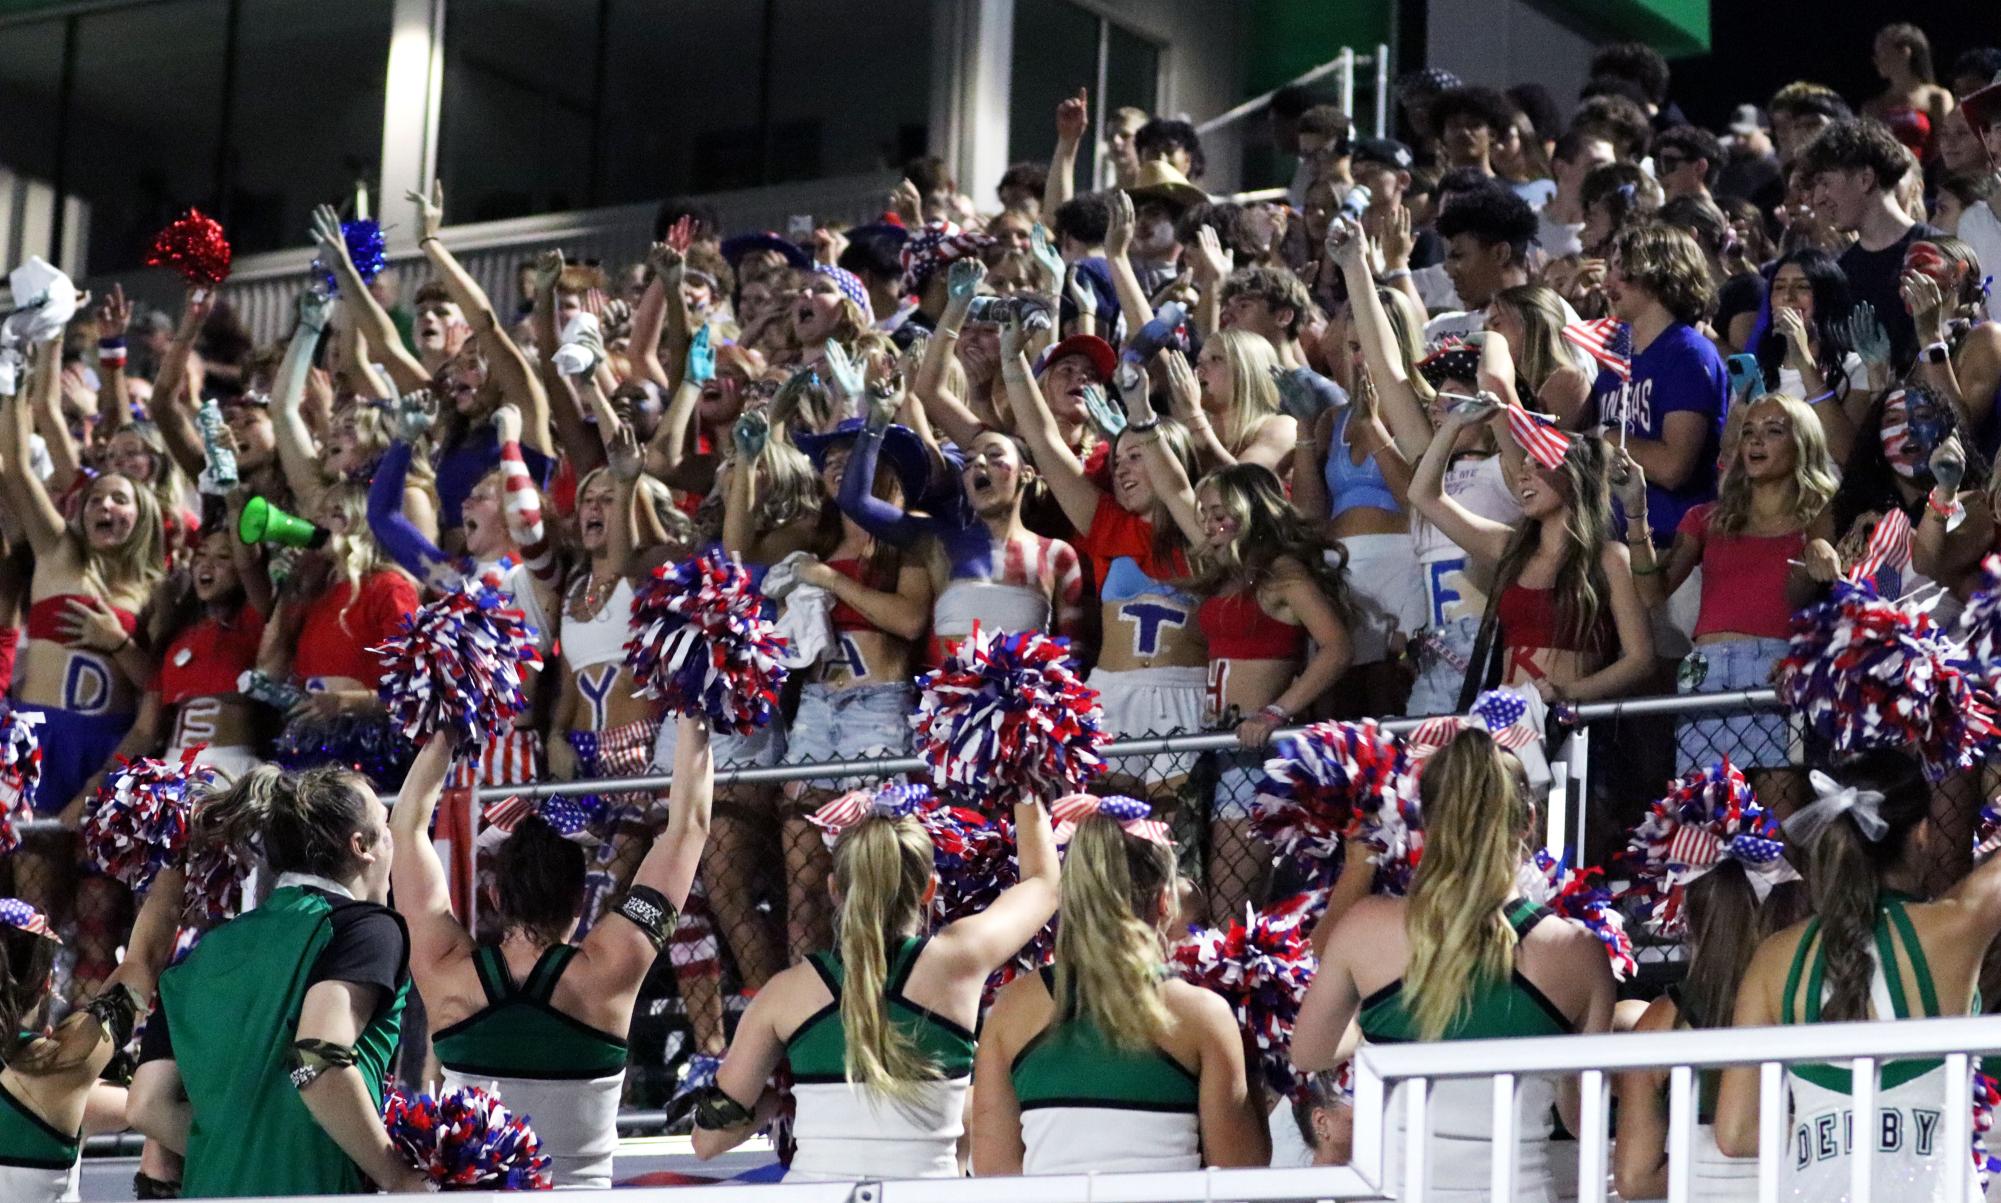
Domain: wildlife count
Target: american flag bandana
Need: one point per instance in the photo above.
(1133, 815)
(1537, 434)
(891, 800)
(1889, 548)
(21, 916)
(1502, 713)
(1607, 340)
(573, 818)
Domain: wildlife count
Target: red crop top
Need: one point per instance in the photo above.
(1743, 578)
(1238, 628)
(205, 660)
(333, 644)
(845, 617)
(1529, 619)
(45, 617)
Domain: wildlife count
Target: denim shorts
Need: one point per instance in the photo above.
(1237, 782)
(1444, 651)
(1751, 739)
(847, 724)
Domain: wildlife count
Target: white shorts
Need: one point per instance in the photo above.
(1387, 590)
(1142, 702)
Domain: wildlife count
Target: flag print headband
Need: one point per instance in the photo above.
(1514, 717)
(575, 819)
(1710, 816)
(890, 800)
(1131, 814)
(21, 916)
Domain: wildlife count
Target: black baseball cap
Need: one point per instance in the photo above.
(1387, 151)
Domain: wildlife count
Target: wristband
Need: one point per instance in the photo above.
(650, 912)
(718, 1112)
(1275, 712)
(112, 353)
(1937, 353)
(116, 1011)
(311, 1058)
(1147, 427)
(1394, 274)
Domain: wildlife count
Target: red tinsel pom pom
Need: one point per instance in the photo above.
(195, 246)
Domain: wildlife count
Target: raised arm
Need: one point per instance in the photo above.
(177, 389)
(64, 462)
(857, 498)
(114, 400)
(979, 944)
(1133, 302)
(505, 360)
(297, 450)
(1170, 481)
(1055, 460)
(393, 529)
(1212, 266)
(952, 412)
(667, 456)
(1401, 408)
(1073, 119)
(371, 321)
(422, 892)
(40, 519)
(751, 435)
(1480, 537)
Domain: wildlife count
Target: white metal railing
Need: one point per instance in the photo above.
(1864, 1046)
(1342, 68)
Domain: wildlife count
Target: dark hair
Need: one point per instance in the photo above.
(1225, 217)
(876, 253)
(1570, 144)
(1700, 217)
(1909, 38)
(1276, 287)
(1536, 103)
(1740, 208)
(1485, 105)
(1617, 120)
(1629, 193)
(540, 880)
(1846, 871)
(1968, 187)
(434, 292)
(1083, 218)
(1293, 100)
(1462, 179)
(1723, 932)
(1693, 142)
(1635, 61)
(706, 256)
(26, 960)
(1031, 176)
(1600, 86)
(1327, 121)
(1831, 305)
(674, 208)
(1424, 181)
(1162, 136)
(1804, 98)
(303, 821)
(1868, 482)
(1854, 144)
(931, 174)
(1316, 1092)
(1668, 264)
(1983, 62)
(1491, 215)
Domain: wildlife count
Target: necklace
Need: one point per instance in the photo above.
(592, 597)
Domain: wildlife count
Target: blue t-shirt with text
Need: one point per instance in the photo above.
(1678, 371)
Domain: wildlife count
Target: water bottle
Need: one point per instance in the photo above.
(221, 473)
(1357, 201)
(1158, 333)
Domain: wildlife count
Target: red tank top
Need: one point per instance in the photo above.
(845, 617)
(45, 617)
(1529, 619)
(1238, 628)
(205, 660)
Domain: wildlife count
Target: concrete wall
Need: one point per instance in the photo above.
(1502, 42)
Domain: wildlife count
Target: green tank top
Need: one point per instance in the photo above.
(28, 1141)
(1070, 1063)
(233, 1013)
(1500, 1007)
(1893, 930)
(818, 1049)
(520, 1033)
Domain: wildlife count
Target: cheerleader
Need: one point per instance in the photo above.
(879, 1030)
(1464, 957)
(1103, 1063)
(278, 1030)
(536, 1019)
(1866, 837)
(50, 1076)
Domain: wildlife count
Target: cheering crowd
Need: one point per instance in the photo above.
(1517, 413)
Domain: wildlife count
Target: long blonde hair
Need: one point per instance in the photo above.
(882, 868)
(1542, 352)
(352, 555)
(1407, 324)
(167, 485)
(137, 562)
(1108, 947)
(1253, 393)
(1813, 482)
(1474, 819)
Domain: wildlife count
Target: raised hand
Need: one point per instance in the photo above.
(1212, 264)
(701, 358)
(1926, 304)
(1184, 392)
(507, 424)
(1012, 341)
(430, 211)
(1119, 230)
(622, 452)
(844, 371)
(1630, 480)
(1948, 464)
(1073, 117)
(1130, 380)
(315, 307)
(1109, 420)
(1867, 336)
(327, 237)
(114, 314)
(412, 415)
(907, 203)
(1394, 238)
(1347, 245)
(667, 264)
(681, 235)
(962, 280)
(1045, 255)
(749, 435)
(1081, 293)
(827, 245)
(548, 270)
(1295, 393)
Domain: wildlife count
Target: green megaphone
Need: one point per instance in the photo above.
(262, 521)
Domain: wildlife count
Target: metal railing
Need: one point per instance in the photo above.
(1342, 68)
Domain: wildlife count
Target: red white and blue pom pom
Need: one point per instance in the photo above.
(1708, 816)
(365, 246)
(465, 1140)
(1262, 968)
(1540, 877)
(1584, 899)
(1986, 1098)
(1867, 673)
(975, 859)
(139, 822)
(456, 667)
(20, 772)
(193, 245)
(1325, 780)
(1006, 719)
(1987, 832)
(701, 641)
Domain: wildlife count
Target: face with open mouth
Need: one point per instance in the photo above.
(250, 429)
(595, 505)
(721, 398)
(344, 450)
(815, 310)
(1064, 383)
(1212, 373)
(130, 456)
(485, 530)
(331, 514)
(1220, 523)
(1766, 443)
(1541, 491)
(110, 512)
(212, 569)
(833, 469)
(1792, 290)
(460, 381)
(1131, 487)
(993, 474)
(440, 328)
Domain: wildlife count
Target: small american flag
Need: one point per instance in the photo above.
(1538, 435)
(18, 914)
(1131, 813)
(1889, 547)
(1694, 847)
(1607, 340)
(1501, 711)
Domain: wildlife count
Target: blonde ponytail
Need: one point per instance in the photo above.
(1474, 817)
(882, 867)
(1108, 955)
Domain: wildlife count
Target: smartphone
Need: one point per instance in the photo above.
(799, 228)
(1744, 374)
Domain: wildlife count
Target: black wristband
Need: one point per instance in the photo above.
(145, 1186)
(116, 1011)
(650, 912)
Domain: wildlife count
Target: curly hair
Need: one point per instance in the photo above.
(1268, 529)
(1635, 61)
(1276, 287)
(1855, 144)
(1491, 214)
(1486, 105)
(1669, 265)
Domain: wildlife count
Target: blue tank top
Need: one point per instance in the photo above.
(1350, 484)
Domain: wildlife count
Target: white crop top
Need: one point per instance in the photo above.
(599, 640)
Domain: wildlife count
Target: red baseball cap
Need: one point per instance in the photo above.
(1096, 349)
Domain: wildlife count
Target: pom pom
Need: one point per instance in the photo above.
(139, 822)
(1978, 629)
(1986, 1097)
(1261, 967)
(1584, 899)
(465, 1140)
(195, 246)
(1540, 877)
(701, 642)
(1316, 793)
(455, 668)
(975, 858)
(1006, 719)
(1866, 674)
(1708, 816)
(20, 772)
(365, 245)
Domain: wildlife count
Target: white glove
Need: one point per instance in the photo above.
(582, 346)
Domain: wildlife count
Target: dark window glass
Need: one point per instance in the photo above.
(1055, 53)
(1132, 72)
(144, 138)
(516, 118)
(681, 99)
(851, 86)
(31, 62)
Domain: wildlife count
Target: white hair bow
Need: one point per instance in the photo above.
(1832, 800)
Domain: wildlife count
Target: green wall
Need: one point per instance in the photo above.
(1674, 27)
(1291, 36)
